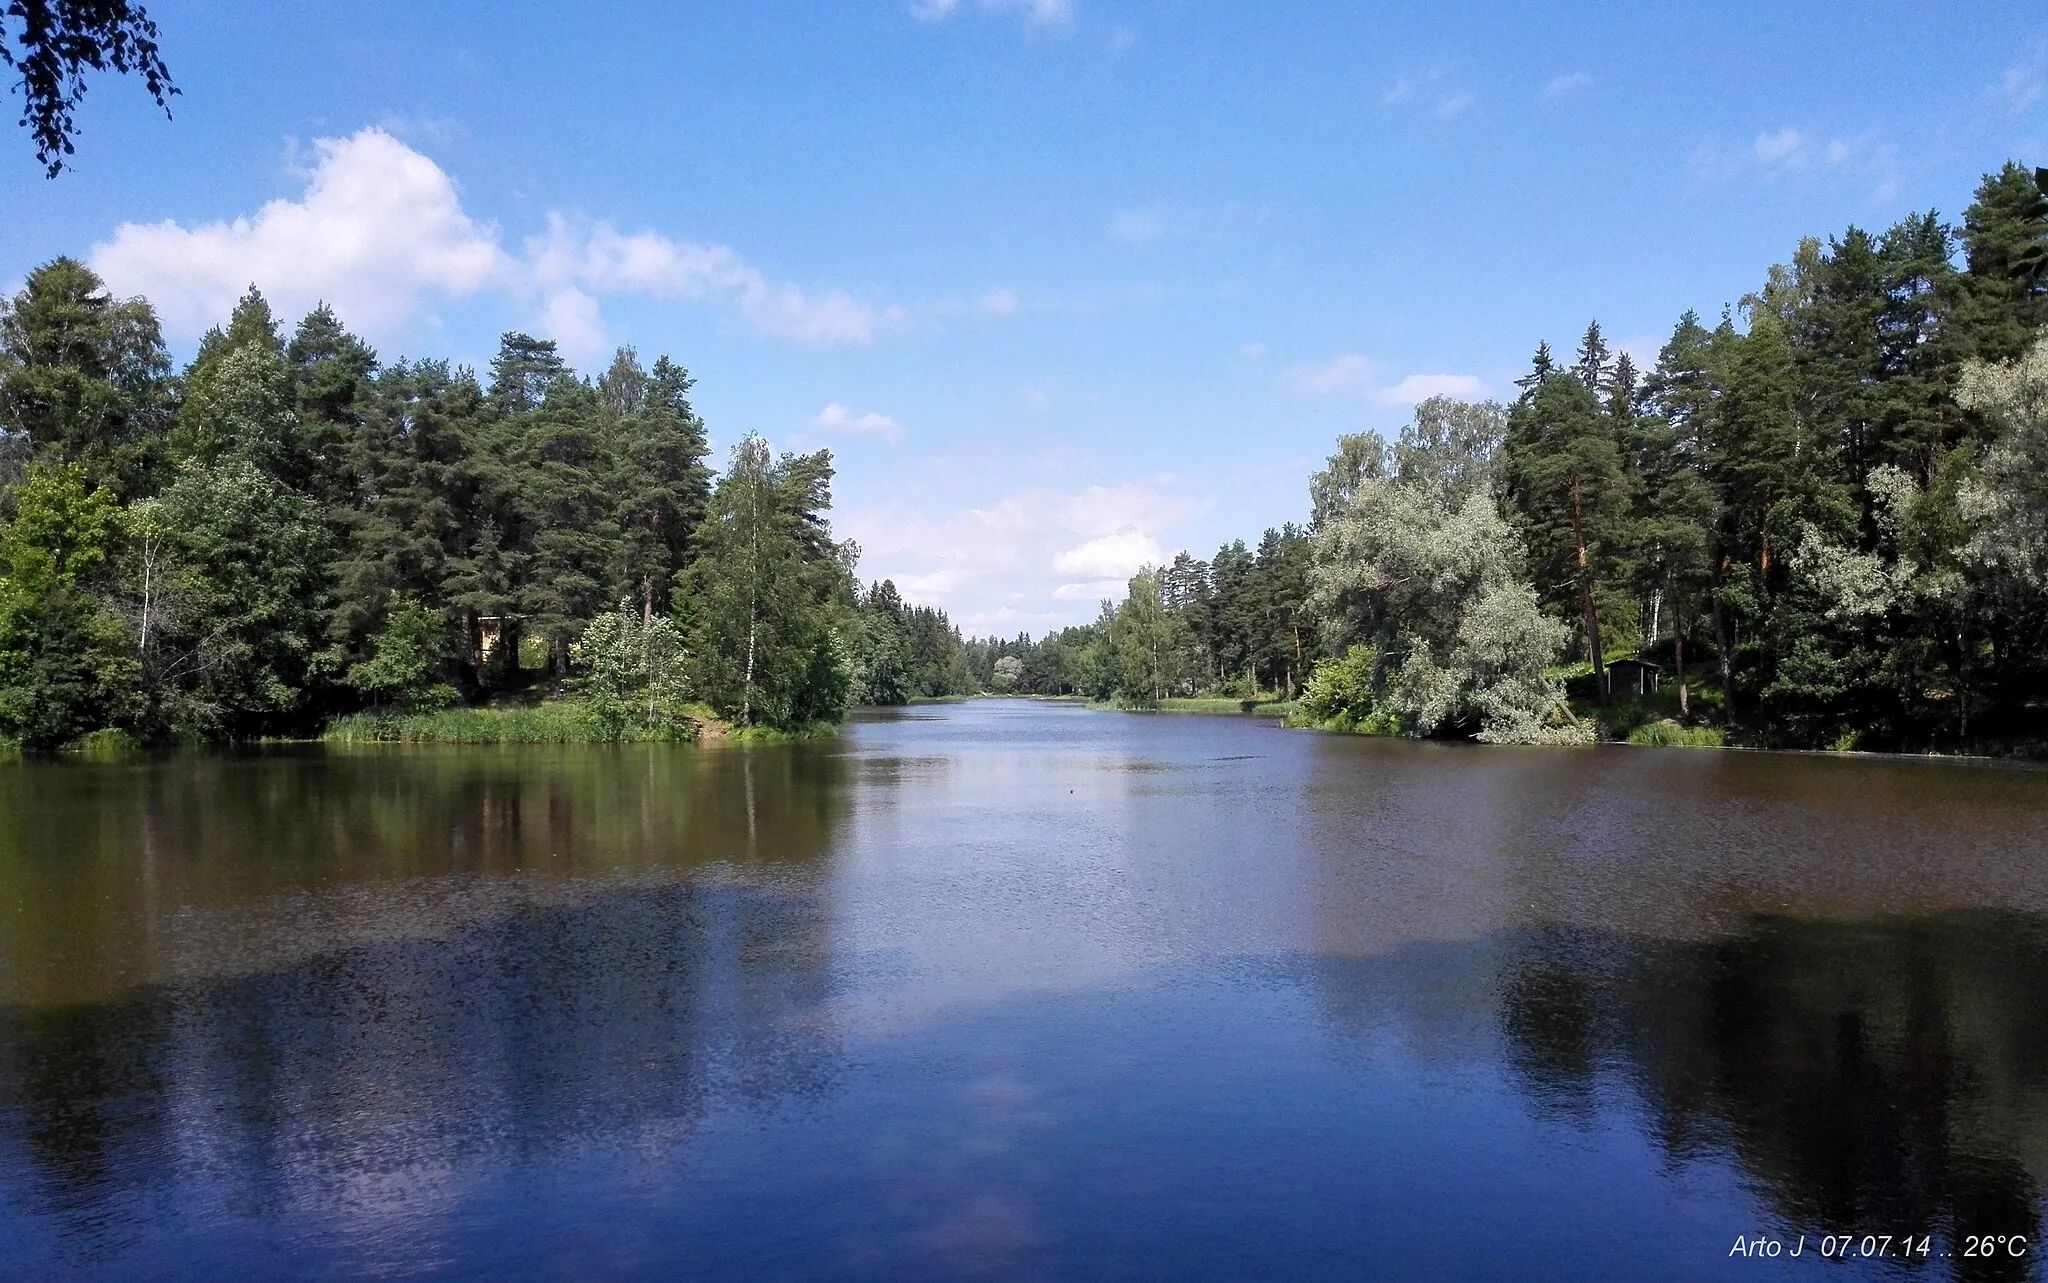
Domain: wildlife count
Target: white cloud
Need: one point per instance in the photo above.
(1253, 351)
(1457, 105)
(2019, 88)
(1348, 373)
(998, 302)
(1793, 153)
(602, 259)
(1355, 375)
(1566, 85)
(1038, 13)
(1420, 387)
(1093, 590)
(1110, 556)
(837, 418)
(380, 227)
(1429, 87)
(1030, 559)
(1149, 224)
(381, 235)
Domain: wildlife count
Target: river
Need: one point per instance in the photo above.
(1010, 989)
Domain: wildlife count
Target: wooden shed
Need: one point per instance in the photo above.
(1632, 677)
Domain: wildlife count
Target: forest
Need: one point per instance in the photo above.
(289, 530)
(1823, 518)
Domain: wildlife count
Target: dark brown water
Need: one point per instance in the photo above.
(1023, 991)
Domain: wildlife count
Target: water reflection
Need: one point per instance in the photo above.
(1015, 992)
(125, 875)
(1888, 1077)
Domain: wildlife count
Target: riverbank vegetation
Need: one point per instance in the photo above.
(1821, 517)
(291, 532)
(1818, 521)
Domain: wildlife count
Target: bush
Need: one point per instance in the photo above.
(556, 722)
(109, 742)
(1672, 735)
(1340, 688)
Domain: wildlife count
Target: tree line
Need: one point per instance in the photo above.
(1824, 517)
(289, 529)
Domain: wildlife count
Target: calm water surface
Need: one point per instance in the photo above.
(1012, 990)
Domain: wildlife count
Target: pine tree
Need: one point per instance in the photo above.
(1572, 499)
(2005, 243)
(84, 377)
(658, 480)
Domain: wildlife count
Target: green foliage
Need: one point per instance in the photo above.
(57, 44)
(1672, 735)
(65, 664)
(899, 652)
(107, 742)
(1417, 572)
(763, 603)
(1144, 644)
(1342, 688)
(83, 376)
(554, 722)
(407, 654)
(636, 671)
(254, 554)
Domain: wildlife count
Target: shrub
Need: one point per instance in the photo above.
(108, 742)
(556, 722)
(1669, 734)
(1340, 688)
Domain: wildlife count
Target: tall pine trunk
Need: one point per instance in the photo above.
(1591, 616)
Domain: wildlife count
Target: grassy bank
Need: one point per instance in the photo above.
(1206, 704)
(1251, 707)
(554, 722)
(780, 734)
(566, 721)
(1672, 735)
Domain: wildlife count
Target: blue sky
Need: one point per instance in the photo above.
(1065, 284)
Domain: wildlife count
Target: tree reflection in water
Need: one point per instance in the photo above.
(1882, 1077)
(595, 962)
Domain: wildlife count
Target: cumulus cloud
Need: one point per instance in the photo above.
(379, 228)
(1355, 375)
(1110, 556)
(837, 418)
(381, 235)
(1566, 85)
(1038, 13)
(1790, 153)
(1420, 387)
(599, 258)
(1034, 559)
(1347, 373)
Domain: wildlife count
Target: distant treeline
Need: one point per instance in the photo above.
(1824, 517)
